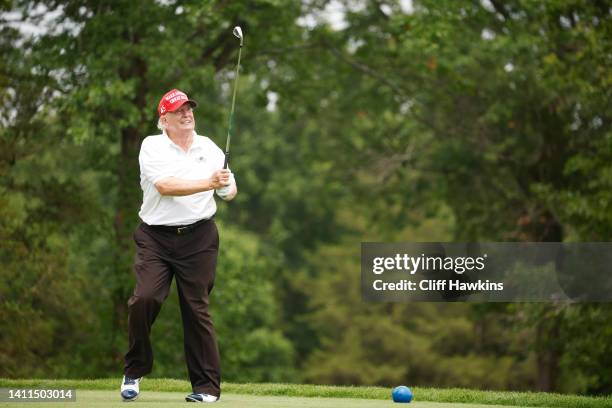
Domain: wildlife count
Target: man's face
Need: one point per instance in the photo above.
(180, 120)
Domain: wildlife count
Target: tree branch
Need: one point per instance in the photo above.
(499, 7)
(366, 70)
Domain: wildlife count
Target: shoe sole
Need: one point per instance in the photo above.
(130, 399)
(188, 399)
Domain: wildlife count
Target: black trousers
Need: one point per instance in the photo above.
(191, 256)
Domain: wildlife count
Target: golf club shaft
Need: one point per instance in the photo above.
(231, 116)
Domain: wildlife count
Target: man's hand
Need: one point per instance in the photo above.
(220, 178)
(228, 192)
(225, 191)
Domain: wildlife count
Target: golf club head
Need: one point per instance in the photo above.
(238, 33)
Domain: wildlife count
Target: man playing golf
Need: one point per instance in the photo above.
(179, 173)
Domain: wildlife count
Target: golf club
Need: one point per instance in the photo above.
(237, 33)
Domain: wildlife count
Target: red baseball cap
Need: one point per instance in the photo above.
(173, 100)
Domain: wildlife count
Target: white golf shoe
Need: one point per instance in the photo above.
(201, 398)
(130, 388)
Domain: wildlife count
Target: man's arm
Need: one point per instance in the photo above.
(173, 186)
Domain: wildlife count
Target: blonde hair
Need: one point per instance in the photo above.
(160, 124)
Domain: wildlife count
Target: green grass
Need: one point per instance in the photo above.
(110, 399)
(361, 396)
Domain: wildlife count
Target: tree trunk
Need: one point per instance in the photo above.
(126, 219)
(541, 226)
(548, 352)
(129, 198)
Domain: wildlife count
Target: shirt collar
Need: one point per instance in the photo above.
(197, 141)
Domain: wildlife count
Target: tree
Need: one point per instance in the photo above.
(495, 110)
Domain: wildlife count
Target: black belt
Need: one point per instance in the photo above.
(179, 229)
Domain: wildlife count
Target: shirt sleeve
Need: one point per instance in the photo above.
(154, 165)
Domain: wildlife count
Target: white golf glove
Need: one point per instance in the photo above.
(225, 191)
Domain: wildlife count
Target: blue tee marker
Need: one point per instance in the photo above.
(401, 394)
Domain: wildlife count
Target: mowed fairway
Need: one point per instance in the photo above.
(166, 392)
(87, 398)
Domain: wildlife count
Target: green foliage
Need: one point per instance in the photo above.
(413, 344)
(44, 303)
(461, 120)
(252, 346)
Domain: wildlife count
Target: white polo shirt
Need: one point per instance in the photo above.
(159, 158)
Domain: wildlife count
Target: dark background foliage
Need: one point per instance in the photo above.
(356, 121)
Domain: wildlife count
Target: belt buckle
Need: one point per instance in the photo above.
(182, 230)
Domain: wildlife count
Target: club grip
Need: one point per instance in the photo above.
(226, 160)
